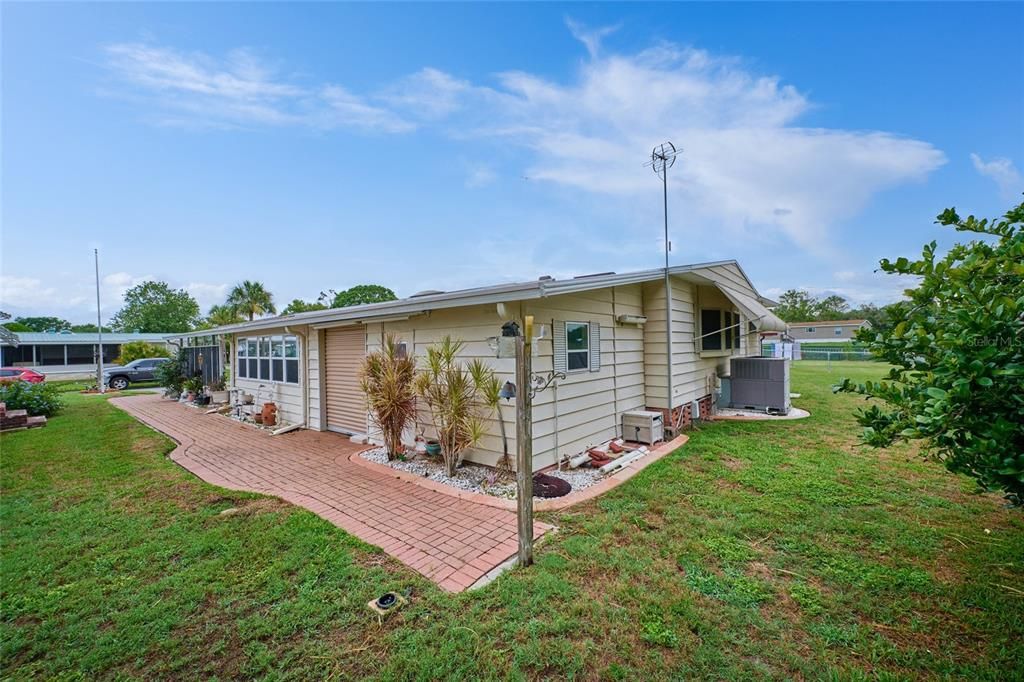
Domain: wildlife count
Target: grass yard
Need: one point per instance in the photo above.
(771, 551)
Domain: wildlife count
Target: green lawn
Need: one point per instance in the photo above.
(757, 551)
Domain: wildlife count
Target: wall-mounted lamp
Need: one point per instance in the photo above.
(508, 391)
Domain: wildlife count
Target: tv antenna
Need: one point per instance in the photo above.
(663, 157)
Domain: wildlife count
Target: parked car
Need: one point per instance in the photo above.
(120, 378)
(8, 374)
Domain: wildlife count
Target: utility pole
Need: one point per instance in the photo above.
(524, 441)
(99, 327)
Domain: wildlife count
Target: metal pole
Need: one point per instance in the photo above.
(668, 304)
(524, 442)
(99, 327)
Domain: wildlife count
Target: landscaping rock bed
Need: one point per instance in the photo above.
(476, 478)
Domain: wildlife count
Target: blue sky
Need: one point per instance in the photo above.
(316, 146)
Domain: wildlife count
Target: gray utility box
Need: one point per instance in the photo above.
(760, 384)
(642, 426)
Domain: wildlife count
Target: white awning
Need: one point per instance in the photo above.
(764, 320)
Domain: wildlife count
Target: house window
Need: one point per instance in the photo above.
(269, 358)
(719, 329)
(810, 330)
(839, 331)
(577, 345)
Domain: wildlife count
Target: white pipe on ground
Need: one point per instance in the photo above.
(285, 429)
(579, 460)
(623, 461)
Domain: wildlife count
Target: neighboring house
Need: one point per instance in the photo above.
(826, 330)
(66, 353)
(607, 332)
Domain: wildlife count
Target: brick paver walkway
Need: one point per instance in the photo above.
(453, 542)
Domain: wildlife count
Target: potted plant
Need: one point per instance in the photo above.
(194, 387)
(218, 390)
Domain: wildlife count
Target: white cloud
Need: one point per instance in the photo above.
(590, 37)
(858, 288)
(1002, 172)
(480, 176)
(196, 89)
(74, 297)
(748, 169)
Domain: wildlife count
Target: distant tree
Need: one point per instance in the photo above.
(17, 327)
(88, 329)
(133, 350)
(797, 305)
(221, 315)
(154, 307)
(832, 308)
(957, 350)
(360, 294)
(44, 324)
(299, 306)
(250, 299)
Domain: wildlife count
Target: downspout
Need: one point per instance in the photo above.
(304, 373)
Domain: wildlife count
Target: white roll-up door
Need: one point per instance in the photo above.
(344, 350)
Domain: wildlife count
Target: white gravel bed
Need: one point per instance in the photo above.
(476, 478)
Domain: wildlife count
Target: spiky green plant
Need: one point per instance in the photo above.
(455, 398)
(490, 390)
(388, 378)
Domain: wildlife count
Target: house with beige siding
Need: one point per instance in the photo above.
(632, 341)
(826, 330)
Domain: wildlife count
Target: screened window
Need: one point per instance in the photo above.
(81, 354)
(720, 329)
(50, 355)
(810, 329)
(269, 358)
(577, 345)
(839, 331)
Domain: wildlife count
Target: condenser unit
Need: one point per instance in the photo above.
(642, 426)
(760, 384)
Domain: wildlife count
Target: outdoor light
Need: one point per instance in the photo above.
(508, 391)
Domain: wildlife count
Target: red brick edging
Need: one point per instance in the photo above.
(553, 504)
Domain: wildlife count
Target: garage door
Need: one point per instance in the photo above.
(344, 350)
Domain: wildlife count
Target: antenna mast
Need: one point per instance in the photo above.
(663, 157)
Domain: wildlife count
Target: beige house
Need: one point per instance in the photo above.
(619, 344)
(827, 330)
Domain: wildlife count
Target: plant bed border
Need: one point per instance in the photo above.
(552, 504)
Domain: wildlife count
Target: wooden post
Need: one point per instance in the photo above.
(524, 442)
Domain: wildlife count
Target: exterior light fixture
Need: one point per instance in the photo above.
(508, 391)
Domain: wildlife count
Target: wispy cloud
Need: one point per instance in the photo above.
(1002, 172)
(240, 90)
(748, 168)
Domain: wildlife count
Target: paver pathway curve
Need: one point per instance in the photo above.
(453, 542)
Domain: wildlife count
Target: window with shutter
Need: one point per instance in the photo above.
(595, 346)
(558, 345)
(576, 346)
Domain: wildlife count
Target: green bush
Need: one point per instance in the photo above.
(39, 399)
(134, 350)
(171, 375)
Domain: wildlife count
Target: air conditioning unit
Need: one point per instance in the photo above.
(760, 384)
(642, 426)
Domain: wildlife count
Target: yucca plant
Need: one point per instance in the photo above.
(454, 395)
(388, 378)
(490, 390)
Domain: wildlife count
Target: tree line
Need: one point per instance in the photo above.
(798, 305)
(156, 307)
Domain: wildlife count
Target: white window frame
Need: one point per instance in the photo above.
(839, 331)
(585, 352)
(810, 330)
(269, 348)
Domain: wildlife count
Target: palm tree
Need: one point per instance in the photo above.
(220, 315)
(251, 299)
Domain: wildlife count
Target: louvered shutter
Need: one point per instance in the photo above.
(558, 345)
(595, 346)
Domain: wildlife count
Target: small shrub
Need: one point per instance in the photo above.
(39, 399)
(171, 375)
(388, 379)
(134, 350)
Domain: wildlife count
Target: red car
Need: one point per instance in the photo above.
(8, 374)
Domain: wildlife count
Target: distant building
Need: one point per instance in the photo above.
(826, 330)
(65, 352)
